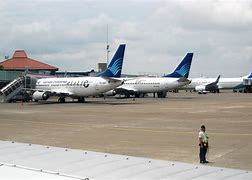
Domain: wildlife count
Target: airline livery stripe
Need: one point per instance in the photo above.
(116, 67)
(184, 69)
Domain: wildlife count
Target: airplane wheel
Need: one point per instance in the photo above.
(137, 95)
(81, 99)
(127, 96)
(162, 94)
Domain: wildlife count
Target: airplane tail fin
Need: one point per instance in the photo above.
(217, 80)
(213, 85)
(250, 75)
(114, 68)
(183, 68)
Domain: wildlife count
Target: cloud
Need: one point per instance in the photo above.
(72, 34)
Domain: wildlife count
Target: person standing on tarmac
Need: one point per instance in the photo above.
(203, 143)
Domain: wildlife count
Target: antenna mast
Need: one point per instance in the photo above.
(107, 48)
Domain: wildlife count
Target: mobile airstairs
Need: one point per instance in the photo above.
(14, 87)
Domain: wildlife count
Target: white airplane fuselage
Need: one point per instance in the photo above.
(78, 86)
(152, 84)
(224, 83)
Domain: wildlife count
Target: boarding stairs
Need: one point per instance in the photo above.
(14, 87)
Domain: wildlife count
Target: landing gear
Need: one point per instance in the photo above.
(81, 99)
(139, 95)
(61, 100)
(162, 94)
(215, 91)
(127, 95)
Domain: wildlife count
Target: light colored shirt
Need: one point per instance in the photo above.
(204, 137)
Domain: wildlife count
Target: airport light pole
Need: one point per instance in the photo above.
(107, 48)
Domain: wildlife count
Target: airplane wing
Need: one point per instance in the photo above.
(123, 91)
(57, 92)
(213, 85)
(113, 79)
(184, 79)
(53, 92)
(41, 94)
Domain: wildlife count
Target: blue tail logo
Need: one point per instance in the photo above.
(183, 68)
(250, 75)
(115, 66)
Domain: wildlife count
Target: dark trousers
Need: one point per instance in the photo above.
(202, 154)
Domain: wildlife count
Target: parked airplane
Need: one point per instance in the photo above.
(205, 85)
(160, 85)
(80, 87)
(208, 87)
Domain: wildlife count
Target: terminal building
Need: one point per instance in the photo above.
(20, 64)
(20, 72)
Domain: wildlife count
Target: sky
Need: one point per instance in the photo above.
(72, 34)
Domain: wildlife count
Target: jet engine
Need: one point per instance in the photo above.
(110, 93)
(40, 96)
(200, 88)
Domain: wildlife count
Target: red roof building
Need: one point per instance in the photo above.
(20, 61)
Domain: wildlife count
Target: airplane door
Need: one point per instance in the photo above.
(96, 86)
(166, 85)
(136, 84)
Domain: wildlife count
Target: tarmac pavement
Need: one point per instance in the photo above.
(165, 128)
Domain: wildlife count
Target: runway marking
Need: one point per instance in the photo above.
(232, 107)
(221, 154)
(29, 121)
(167, 131)
(130, 129)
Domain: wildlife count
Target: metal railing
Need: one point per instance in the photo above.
(12, 89)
